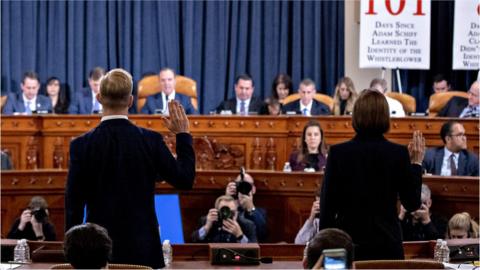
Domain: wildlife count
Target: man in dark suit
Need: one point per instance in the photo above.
(28, 100)
(244, 102)
(453, 158)
(113, 169)
(158, 103)
(463, 107)
(307, 105)
(222, 225)
(84, 101)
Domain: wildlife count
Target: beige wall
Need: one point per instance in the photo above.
(361, 77)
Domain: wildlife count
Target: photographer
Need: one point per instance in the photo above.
(310, 228)
(221, 225)
(33, 224)
(243, 190)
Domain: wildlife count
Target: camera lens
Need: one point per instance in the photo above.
(224, 213)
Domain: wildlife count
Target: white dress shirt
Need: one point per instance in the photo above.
(247, 104)
(446, 162)
(308, 107)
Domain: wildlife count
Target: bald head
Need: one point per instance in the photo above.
(473, 93)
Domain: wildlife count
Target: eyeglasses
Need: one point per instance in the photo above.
(458, 135)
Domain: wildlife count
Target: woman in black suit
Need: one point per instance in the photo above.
(365, 176)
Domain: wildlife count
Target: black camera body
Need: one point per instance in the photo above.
(40, 214)
(224, 213)
(243, 186)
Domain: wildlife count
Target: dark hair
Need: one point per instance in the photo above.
(440, 77)
(87, 246)
(304, 148)
(63, 97)
(96, 73)
(328, 239)
(370, 113)
(281, 78)
(168, 69)
(447, 129)
(31, 75)
(244, 77)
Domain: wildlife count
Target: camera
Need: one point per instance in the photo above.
(243, 186)
(334, 258)
(40, 215)
(224, 213)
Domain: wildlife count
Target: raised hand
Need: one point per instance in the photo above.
(178, 121)
(416, 148)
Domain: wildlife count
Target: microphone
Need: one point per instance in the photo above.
(251, 259)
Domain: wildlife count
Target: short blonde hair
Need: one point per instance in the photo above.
(463, 221)
(223, 198)
(116, 88)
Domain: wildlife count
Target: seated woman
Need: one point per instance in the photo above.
(312, 154)
(462, 226)
(344, 97)
(57, 94)
(33, 224)
(281, 87)
(274, 107)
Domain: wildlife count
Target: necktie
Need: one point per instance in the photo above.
(305, 110)
(242, 108)
(453, 168)
(28, 110)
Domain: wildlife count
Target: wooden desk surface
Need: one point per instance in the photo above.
(221, 142)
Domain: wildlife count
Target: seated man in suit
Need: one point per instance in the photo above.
(395, 107)
(307, 105)
(243, 193)
(440, 84)
(422, 225)
(331, 238)
(463, 107)
(158, 103)
(244, 102)
(28, 101)
(87, 246)
(221, 225)
(453, 158)
(85, 101)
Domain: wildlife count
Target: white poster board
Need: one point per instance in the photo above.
(466, 35)
(395, 34)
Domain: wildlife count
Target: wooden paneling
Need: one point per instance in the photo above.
(287, 197)
(221, 142)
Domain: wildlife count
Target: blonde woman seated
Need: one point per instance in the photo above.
(462, 226)
(344, 97)
(312, 153)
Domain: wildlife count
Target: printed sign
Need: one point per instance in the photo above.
(466, 35)
(395, 34)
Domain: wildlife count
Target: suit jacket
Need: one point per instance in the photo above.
(467, 162)
(82, 102)
(216, 235)
(155, 102)
(256, 105)
(362, 181)
(15, 103)
(454, 107)
(113, 169)
(318, 108)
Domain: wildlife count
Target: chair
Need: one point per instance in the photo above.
(398, 264)
(150, 85)
(408, 102)
(325, 99)
(439, 100)
(3, 100)
(110, 266)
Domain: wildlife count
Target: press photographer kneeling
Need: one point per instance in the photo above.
(33, 224)
(221, 225)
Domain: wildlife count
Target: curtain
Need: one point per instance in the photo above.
(209, 41)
